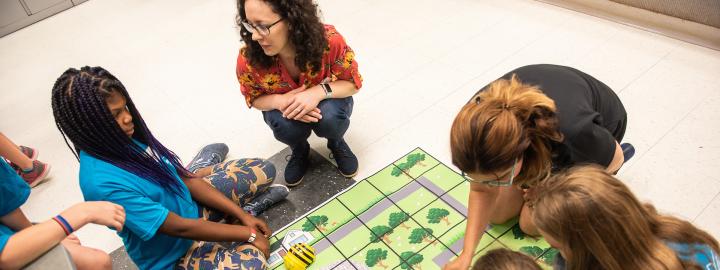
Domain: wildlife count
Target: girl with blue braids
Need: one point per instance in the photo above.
(175, 219)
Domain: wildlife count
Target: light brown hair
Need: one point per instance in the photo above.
(505, 259)
(601, 225)
(506, 121)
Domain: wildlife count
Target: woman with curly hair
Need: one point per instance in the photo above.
(301, 74)
(516, 131)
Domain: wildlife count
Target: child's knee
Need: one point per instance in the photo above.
(269, 169)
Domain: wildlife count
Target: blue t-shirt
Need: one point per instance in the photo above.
(14, 191)
(146, 204)
(702, 255)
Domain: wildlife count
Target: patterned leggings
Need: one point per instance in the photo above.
(239, 180)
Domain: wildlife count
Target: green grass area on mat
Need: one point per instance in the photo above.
(418, 168)
(376, 256)
(360, 197)
(332, 215)
(460, 193)
(388, 183)
(439, 217)
(443, 177)
(416, 200)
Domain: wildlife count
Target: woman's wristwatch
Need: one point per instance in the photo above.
(327, 89)
(252, 236)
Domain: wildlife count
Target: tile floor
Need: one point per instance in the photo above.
(421, 61)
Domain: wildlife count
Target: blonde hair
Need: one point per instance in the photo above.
(507, 121)
(601, 225)
(505, 259)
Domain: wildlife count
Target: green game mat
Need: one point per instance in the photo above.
(409, 215)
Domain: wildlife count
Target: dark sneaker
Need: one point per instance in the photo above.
(628, 151)
(263, 201)
(209, 155)
(298, 164)
(37, 175)
(346, 161)
(29, 152)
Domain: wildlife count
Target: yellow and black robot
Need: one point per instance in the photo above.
(299, 257)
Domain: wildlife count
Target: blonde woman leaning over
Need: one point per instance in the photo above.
(520, 128)
(597, 223)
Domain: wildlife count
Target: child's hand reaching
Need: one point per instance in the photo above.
(98, 212)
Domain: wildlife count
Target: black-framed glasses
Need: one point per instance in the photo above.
(494, 182)
(263, 30)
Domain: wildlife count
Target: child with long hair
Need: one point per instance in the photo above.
(597, 223)
(519, 129)
(174, 217)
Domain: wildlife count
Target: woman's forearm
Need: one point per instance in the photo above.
(480, 204)
(342, 89)
(266, 102)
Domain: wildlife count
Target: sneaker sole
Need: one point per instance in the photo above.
(42, 178)
(296, 183)
(349, 175)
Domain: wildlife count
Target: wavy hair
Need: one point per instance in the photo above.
(601, 225)
(306, 32)
(82, 116)
(506, 121)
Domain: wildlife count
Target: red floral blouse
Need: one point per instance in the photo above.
(338, 63)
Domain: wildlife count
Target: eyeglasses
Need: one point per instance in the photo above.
(263, 30)
(494, 182)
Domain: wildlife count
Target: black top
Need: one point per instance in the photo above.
(591, 117)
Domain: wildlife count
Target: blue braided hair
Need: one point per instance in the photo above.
(82, 116)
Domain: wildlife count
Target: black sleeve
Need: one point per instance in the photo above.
(593, 144)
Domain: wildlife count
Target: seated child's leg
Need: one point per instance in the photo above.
(240, 181)
(213, 255)
(85, 257)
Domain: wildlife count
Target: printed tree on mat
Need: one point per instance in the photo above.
(437, 214)
(549, 256)
(517, 232)
(315, 221)
(376, 257)
(412, 160)
(398, 219)
(381, 232)
(421, 235)
(410, 260)
(533, 251)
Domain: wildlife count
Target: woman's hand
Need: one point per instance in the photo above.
(256, 224)
(98, 212)
(303, 103)
(462, 262)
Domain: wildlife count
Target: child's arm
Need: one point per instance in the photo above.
(203, 230)
(31, 242)
(16, 220)
(207, 195)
